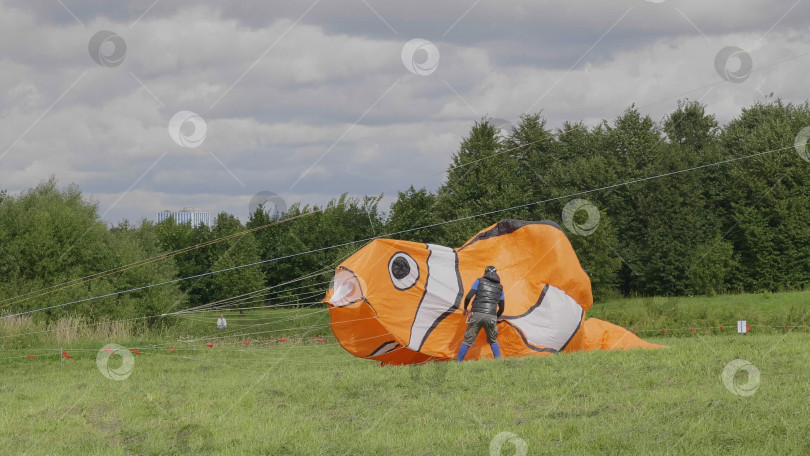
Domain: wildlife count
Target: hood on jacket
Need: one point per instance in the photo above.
(491, 274)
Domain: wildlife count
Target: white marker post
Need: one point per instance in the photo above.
(742, 326)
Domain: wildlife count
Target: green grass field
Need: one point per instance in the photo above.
(306, 397)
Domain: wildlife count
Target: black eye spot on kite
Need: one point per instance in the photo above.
(403, 270)
(400, 268)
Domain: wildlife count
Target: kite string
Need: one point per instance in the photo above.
(570, 195)
(167, 255)
(263, 290)
(109, 322)
(266, 294)
(231, 307)
(245, 296)
(304, 277)
(292, 306)
(164, 256)
(581, 126)
(99, 275)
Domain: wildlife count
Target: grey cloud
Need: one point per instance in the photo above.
(316, 82)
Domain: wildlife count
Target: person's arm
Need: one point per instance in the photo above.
(501, 304)
(469, 296)
(467, 299)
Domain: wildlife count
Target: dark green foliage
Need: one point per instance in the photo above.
(481, 179)
(767, 199)
(225, 255)
(732, 227)
(739, 226)
(51, 235)
(210, 256)
(413, 209)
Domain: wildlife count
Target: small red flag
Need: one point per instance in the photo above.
(246, 342)
(721, 328)
(65, 354)
(747, 328)
(209, 345)
(31, 356)
(665, 331)
(109, 350)
(318, 339)
(693, 329)
(786, 326)
(171, 348)
(283, 339)
(135, 351)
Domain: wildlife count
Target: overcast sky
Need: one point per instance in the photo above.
(311, 99)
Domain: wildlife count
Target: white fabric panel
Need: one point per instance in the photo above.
(386, 348)
(442, 291)
(553, 322)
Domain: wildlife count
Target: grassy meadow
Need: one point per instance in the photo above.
(303, 396)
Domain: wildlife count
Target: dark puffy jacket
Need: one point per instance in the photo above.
(488, 294)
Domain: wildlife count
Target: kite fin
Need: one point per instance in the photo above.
(603, 335)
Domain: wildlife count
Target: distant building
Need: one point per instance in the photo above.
(187, 215)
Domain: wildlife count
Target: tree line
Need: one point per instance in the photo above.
(737, 226)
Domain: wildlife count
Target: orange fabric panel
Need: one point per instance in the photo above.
(527, 259)
(357, 329)
(359, 332)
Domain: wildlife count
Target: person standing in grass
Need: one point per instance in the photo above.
(486, 308)
(221, 322)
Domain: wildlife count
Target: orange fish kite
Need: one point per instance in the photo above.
(399, 302)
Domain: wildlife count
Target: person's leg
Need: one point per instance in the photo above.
(462, 352)
(491, 328)
(469, 337)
